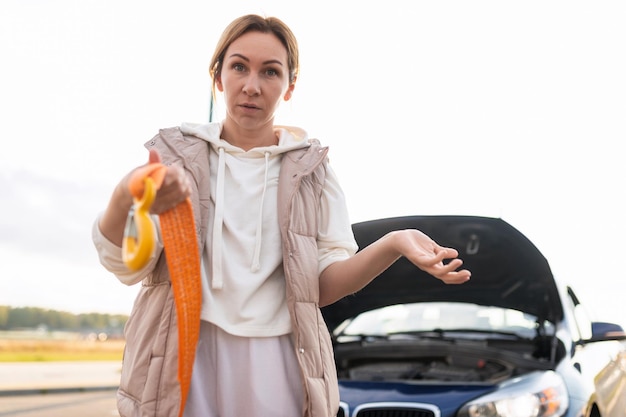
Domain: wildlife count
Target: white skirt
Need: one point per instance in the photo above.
(243, 376)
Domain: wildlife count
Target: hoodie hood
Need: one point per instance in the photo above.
(289, 138)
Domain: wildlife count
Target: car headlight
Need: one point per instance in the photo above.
(540, 394)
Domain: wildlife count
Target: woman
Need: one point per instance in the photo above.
(273, 249)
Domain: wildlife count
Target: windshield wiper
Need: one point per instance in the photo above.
(501, 334)
(451, 334)
(446, 335)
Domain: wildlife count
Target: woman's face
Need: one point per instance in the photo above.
(254, 79)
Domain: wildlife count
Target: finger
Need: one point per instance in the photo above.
(439, 270)
(166, 202)
(454, 264)
(457, 277)
(430, 260)
(176, 180)
(447, 252)
(154, 156)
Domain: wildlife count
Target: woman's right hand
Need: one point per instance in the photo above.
(174, 189)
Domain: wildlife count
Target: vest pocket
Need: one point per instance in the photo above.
(146, 334)
(307, 344)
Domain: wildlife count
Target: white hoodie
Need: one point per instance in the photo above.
(243, 290)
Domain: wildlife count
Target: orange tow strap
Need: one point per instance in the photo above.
(183, 260)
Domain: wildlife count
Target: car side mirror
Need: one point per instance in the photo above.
(602, 331)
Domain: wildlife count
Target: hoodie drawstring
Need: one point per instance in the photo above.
(217, 278)
(256, 259)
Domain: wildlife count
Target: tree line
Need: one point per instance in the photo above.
(15, 318)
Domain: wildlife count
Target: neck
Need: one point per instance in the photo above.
(247, 139)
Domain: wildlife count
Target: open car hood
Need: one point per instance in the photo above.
(508, 271)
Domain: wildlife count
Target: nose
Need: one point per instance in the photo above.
(252, 86)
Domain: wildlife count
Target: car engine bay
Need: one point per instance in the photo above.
(399, 358)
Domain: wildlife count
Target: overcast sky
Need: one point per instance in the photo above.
(498, 108)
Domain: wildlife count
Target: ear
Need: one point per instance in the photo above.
(289, 91)
(218, 83)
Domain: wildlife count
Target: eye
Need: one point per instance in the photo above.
(239, 67)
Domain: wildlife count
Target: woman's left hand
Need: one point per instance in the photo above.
(427, 255)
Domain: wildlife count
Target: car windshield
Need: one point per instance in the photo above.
(440, 317)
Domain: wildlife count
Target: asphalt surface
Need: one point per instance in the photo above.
(71, 404)
(23, 378)
(59, 389)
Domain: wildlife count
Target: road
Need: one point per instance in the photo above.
(73, 404)
(33, 376)
(59, 389)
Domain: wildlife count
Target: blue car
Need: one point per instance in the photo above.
(511, 342)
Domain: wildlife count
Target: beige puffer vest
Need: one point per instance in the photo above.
(149, 386)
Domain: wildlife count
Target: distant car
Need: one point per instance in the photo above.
(511, 342)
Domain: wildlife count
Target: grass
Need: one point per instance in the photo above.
(50, 350)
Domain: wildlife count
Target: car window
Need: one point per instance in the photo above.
(439, 316)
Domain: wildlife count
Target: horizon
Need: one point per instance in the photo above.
(505, 109)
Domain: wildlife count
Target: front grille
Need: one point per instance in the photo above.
(397, 410)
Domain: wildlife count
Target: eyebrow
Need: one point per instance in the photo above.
(271, 61)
